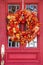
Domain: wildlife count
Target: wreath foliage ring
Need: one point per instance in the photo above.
(22, 17)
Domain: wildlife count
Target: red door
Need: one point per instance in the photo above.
(16, 54)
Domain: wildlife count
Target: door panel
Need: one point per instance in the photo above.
(21, 55)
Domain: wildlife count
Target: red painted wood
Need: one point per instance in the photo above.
(22, 53)
(21, 57)
(12, 56)
(14, 1)
(31, 1)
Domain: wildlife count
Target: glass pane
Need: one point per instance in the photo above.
(33, 8)
(10, 43)
(13, 44)
(13, 8)
(33, 43)
(17, 7)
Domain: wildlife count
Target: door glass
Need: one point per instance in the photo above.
(33, 8)
(13, 44)
(12, 8)
(33, 43)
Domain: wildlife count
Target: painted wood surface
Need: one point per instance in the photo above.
(22, 55)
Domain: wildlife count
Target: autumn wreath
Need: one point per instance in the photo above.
(15, 29)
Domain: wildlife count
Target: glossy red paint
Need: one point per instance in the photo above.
(22, 55)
